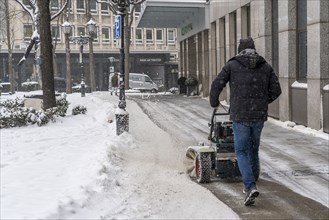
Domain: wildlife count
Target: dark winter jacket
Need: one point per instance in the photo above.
(253, 85)
(114, 80)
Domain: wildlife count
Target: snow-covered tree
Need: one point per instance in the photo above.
(38, 9)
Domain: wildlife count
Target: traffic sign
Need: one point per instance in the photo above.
(117, 27)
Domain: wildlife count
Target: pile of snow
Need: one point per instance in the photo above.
(78, 168)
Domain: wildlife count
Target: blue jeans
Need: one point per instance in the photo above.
(246, 144)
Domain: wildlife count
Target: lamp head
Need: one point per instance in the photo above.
(66, 26)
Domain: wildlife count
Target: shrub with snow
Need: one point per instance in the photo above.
(14, 114)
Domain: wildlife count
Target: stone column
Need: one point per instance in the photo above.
(181, 60)
(287, 55)
(317, 59)
(212, 52)
(205, 71)
(199, 58)
(191, 56)
(230, 44)
(263, 29)
(241, 23)
(185, 58)
(221, 52)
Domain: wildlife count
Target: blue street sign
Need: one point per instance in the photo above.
(117, 27)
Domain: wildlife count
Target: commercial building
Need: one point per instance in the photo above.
(153, 51)
(292, 35)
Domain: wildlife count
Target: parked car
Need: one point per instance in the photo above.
(142, 82)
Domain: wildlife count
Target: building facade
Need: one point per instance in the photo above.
(292, 35)
(153, 51)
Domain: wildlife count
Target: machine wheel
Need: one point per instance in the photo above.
(203, 167)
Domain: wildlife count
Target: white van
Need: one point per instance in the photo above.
(142, 82)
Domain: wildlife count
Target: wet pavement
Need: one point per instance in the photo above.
(294, 180)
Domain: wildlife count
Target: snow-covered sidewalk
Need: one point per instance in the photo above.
(78, 168)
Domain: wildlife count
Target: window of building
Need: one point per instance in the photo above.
(106, 34)
(81, 31)
(302, 40)
(131, 35)
(70, 7)
(93, 6)
(159, 35)
(137, 10)
(149, 36)
(55, 34)
(80, 5)
(54, 5)
(171, 36)
(95, 36)
(139, 36)
(27, 32)
(275, 36)
(104, 9)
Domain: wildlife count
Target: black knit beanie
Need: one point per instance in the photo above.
(246, 43)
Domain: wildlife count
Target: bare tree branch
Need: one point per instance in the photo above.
(60, 10)
(26, 8)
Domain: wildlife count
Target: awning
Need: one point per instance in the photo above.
(168, 13)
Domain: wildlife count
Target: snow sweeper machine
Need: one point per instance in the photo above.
(218, 160)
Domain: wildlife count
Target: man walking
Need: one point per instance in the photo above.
(114, 83)
(253, 85)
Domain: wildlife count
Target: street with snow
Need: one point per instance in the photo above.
(78, 168)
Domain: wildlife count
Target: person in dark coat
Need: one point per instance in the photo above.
(253, 85)
(114, 83)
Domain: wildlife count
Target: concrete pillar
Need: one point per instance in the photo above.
(241, 23)
(200, 67)
(181, 58)
(212, 52)
(191, 57)
(317, 59)
(287, 55)
(230, 41)
(263, 29)
(222, 51)
(205, 71)
(185, 58)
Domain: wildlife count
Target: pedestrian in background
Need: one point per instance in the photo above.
(115, 83)
(253, 85)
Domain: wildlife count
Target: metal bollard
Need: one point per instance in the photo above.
(83, 89)
(122, 121)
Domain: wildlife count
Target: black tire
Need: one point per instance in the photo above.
(203, 167)
(154, 91)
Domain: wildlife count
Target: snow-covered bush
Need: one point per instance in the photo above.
(14, 114)
(79, 110)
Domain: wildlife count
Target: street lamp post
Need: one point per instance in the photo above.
(81, 40)
(67, 30)
(122, 116)
(91, 28)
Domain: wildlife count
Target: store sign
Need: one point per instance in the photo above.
(150, 60)
(117, 27)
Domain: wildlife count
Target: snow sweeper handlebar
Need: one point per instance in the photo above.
(212, 122)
